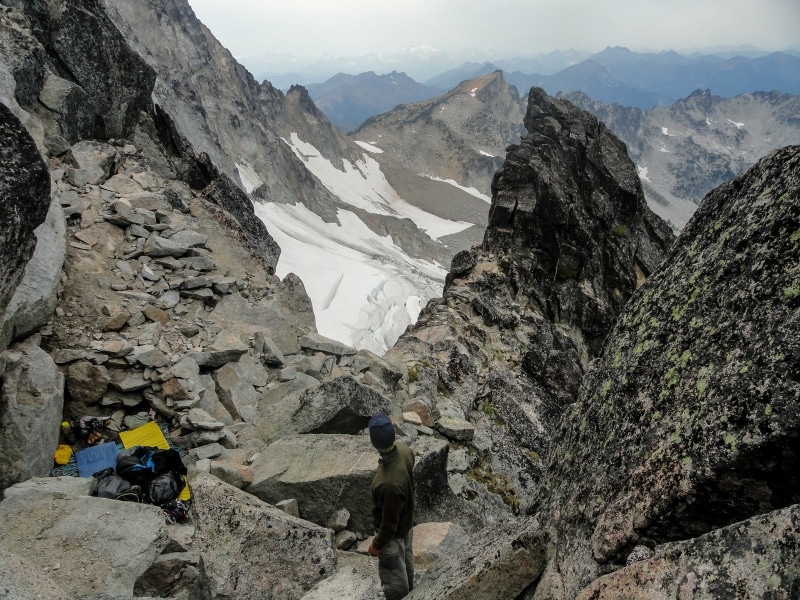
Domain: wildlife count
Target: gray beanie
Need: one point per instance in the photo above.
(381, 432)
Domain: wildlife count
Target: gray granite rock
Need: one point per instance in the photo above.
(96, 159)
(32, 395)
(51, 528)
(260, 551)
(342, 405)
(315, 341)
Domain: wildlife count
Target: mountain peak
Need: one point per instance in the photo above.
(479, 83)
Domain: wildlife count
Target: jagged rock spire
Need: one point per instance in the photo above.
(569, 211)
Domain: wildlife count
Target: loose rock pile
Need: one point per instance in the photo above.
(163, 315)
(152, 317)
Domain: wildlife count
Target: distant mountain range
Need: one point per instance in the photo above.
(615, 75)
(681, 151)
(419, 62)
(349, 100)
(648, 80)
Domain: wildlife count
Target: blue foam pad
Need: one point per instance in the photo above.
(96, 458)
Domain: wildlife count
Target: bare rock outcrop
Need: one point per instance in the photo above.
(48, 527)
(570, 238)
(570, 192)
(74, 62)
(25, 193)
(689, 422)
(254, 550)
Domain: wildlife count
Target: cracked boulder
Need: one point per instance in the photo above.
(253, 550)
(341, 405)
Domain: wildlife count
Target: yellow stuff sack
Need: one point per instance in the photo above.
(62, 454)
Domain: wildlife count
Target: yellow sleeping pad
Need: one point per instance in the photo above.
(146, 435)
(151, 435)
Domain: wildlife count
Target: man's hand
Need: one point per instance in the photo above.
(373, 551)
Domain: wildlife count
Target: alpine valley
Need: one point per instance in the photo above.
(601, 404)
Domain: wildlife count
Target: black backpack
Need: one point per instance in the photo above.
(157, 472)
(107, 484)
(141, 464)
(164, 488)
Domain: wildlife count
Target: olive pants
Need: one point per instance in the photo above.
(396, 567)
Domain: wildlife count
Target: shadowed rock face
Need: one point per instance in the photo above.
(690, 420)
(24, 199)
(78, 66)
(569, 212)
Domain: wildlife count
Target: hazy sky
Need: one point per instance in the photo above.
(313, 28)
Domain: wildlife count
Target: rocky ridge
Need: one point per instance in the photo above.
(167, 308)
(162, 313)
(685, 150)
(264, 140)
(457, 138)
(671, 473)
(498, 359)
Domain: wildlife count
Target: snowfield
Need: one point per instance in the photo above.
(364, 288)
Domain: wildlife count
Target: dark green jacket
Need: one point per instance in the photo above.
(393, 495)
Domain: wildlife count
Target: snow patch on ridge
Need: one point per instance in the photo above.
(370, 147)
(365, 290)
(470, 190)
(248, 175)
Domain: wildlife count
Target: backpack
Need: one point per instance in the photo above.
(164, 488)
(157, 472)
(141, 464)
(107, 484)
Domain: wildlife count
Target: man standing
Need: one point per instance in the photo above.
(392, 510)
